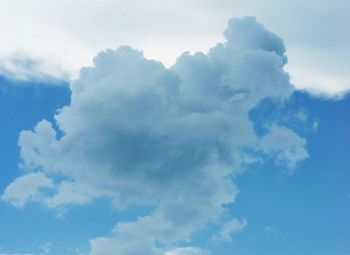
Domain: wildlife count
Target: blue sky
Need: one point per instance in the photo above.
(219, 153)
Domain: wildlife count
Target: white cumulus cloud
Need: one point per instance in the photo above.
(171, 138)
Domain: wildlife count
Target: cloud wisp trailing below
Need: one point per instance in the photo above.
(169, 138)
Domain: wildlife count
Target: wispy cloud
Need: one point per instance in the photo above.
(229, 228)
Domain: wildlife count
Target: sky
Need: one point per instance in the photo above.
(174, 128)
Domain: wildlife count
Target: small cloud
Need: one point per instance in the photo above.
(26, 188)
(284, 145)
(230, 228)
(45, 248)
(268, 229)
(302, 115)
(187, 251)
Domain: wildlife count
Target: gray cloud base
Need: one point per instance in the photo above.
(142, 134)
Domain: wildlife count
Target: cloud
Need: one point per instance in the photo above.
(187, 251)
(285, 145)
(45, 248)
(16, 254)
(252, 35)
(268, 230)
(172, 139)
(20, 67)
(26, 188)
(229, 228)
(68, 33)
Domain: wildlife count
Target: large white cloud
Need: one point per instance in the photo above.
(172, 139)
(62, 36)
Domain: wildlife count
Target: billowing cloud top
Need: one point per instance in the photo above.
(172, 139)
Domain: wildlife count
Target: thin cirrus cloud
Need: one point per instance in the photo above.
(170, 138)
